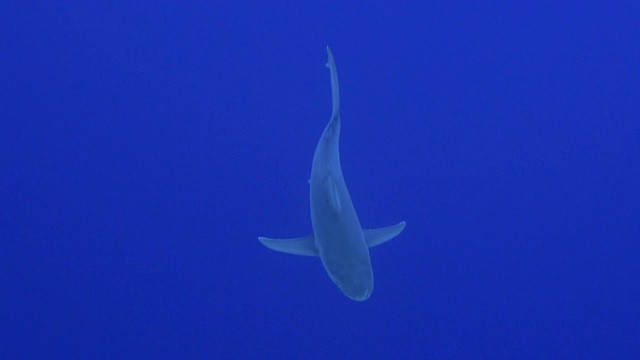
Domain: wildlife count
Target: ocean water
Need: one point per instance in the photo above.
(144, 146)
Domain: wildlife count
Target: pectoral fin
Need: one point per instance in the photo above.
(375, 237)
(297, 246)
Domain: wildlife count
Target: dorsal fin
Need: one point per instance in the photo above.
(332, 193)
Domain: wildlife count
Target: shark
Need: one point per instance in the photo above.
(337, 238)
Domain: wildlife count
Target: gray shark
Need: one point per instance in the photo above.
(338, 239)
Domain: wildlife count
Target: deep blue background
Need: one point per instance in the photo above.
(145, 145)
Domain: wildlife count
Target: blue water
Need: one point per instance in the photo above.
(144, 146)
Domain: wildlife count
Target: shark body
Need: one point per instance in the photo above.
(337, 238)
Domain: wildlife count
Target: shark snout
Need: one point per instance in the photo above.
(362, 297)
(357, 292)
